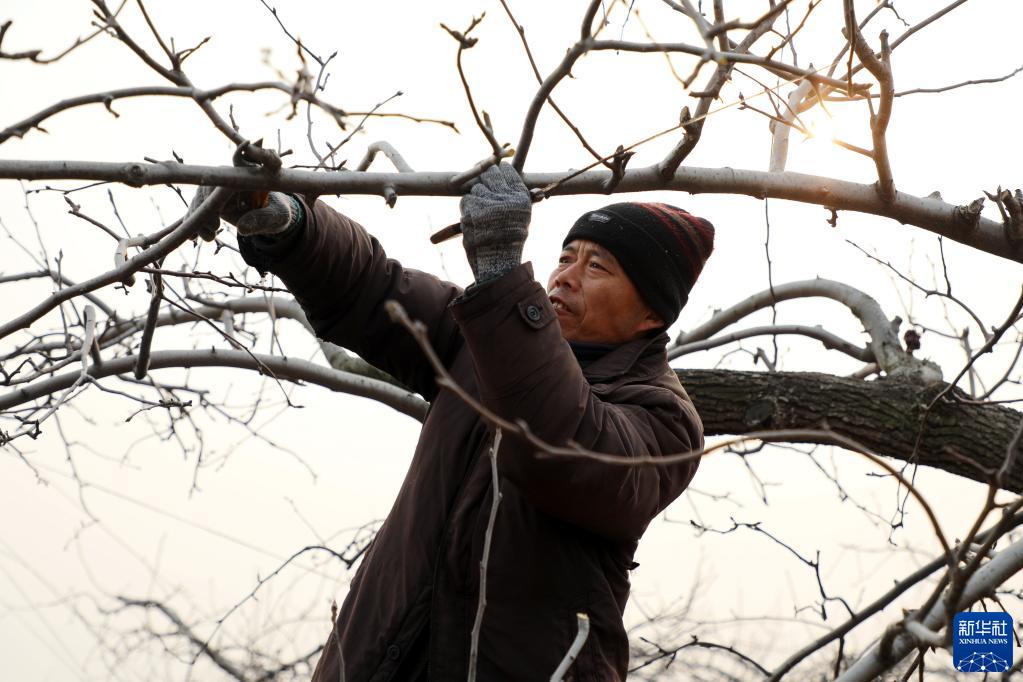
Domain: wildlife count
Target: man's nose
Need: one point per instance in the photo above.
(568, 277)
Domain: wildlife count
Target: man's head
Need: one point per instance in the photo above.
(627, 269)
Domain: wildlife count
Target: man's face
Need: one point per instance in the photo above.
(595, 300)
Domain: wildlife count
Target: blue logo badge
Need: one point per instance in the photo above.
(982, 642)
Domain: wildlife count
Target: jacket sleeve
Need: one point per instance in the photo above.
(341, 277)
(526, 370)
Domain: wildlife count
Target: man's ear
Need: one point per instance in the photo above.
(651, 320)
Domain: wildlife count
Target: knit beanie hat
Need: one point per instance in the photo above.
(661, 248)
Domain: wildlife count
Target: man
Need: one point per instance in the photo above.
(582, 362)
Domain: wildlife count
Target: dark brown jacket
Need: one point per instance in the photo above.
(566, 529)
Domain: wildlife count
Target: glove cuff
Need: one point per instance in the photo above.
(281, 213)
(492, 261)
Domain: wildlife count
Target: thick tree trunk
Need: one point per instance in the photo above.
(884, 415)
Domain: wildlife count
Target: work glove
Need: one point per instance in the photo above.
(251, 212)
(495, 221)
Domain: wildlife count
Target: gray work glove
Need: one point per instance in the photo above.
(495, 221)
(250, 211)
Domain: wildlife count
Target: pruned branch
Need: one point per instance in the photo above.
(583, 624)
(390, 152)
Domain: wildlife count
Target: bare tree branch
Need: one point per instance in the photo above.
(181, 232)
(21, 128)
(884, 345)
(1008, 562)
(881, 69)
(285, 369)
(963, 224)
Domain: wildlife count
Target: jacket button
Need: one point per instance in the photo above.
(533, 313)
(393, 652)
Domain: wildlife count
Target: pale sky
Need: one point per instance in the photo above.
(203, 551)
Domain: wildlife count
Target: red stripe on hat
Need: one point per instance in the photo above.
(699, 229)
(690, 248)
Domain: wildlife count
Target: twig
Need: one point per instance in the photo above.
(986, 348)
(799, 27)
(880, 603)
(697, 642)
(881, 69)
(22, 127)
(583, 621)
(284, 369)
(789, 72)
(63, 280)
(547, 86)
(693, 126)
(332, 149)
(927, 292)
(33, 55)
(996, 571)
(174, 75)
(178, 236)
(76, 380)
(184, 630)
(302, 47)
(927, 22)
(390, 152)
(944, 88)
(336, 636)
(495, 487)
(145, 345)
(459, 179)
(230, 280)
(204, 645)
(539, 79)
(465, 43)
(686, 7)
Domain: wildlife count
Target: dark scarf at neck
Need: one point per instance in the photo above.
(588, 353)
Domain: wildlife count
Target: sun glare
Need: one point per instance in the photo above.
(823, 128)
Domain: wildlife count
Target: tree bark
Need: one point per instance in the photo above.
(884, 415)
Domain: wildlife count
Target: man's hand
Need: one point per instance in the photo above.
(250, 211)
(495, 221)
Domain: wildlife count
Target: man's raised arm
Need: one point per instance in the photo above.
(341, 276)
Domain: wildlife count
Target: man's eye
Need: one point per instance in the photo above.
(594, 264)
(563, 260)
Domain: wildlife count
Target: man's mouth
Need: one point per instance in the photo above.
(559, 305)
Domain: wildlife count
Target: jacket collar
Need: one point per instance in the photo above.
(622, 359)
